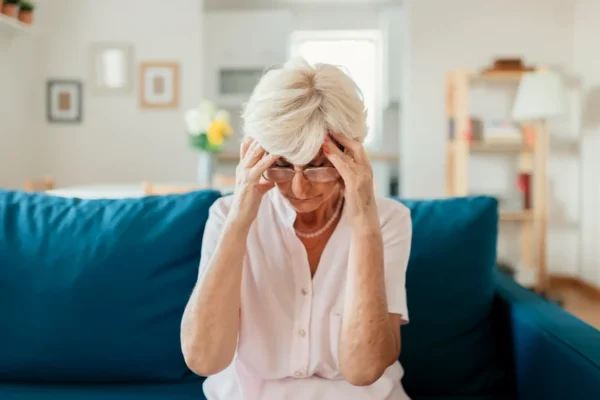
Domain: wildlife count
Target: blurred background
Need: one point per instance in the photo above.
(116, 98)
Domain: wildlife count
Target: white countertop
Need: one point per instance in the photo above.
(108, 191)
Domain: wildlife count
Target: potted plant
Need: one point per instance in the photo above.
(10, 8)
(207, 127)
(26, 11)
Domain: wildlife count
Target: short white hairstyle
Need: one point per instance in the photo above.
(292, 109)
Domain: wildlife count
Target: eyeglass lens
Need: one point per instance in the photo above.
(319, 175)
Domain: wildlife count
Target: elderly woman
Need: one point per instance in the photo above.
(301, 290)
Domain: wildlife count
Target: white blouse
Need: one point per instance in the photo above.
(290, 321)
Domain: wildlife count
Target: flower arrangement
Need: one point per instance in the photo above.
(208, 126)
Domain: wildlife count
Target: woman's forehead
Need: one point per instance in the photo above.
(320, 157)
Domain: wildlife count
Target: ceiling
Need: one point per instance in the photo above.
(228, 4)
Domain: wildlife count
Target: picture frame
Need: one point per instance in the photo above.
(64, 100)
(111, 68)
(159, 84)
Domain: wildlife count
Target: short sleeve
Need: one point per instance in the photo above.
(212, 231)
(396, 231)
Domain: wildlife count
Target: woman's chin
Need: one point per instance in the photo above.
(306, 205)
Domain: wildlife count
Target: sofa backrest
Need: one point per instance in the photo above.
(449, 346)
(94, 290)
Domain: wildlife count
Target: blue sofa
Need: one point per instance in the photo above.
(92, 292)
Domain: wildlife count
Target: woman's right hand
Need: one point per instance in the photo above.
(250, 185)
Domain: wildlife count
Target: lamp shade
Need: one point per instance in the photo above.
(541, 95)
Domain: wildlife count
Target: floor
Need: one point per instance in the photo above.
(583, 307)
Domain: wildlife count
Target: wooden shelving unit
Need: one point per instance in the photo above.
(499, 148)
(526, 215)
(460, 147)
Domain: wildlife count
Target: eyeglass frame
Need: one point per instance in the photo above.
(302, 171)
(306, 168)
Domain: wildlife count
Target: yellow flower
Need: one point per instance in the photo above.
(224, 125)
(215, 134)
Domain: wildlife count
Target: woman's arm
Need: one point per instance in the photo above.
(211, 320)
(370, 336)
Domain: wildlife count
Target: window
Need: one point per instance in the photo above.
(358, 53)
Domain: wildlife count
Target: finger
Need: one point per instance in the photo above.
(342, 162)
(244, 147)
(251, 152)
(264, 164)
(259, 152)
(354, 147)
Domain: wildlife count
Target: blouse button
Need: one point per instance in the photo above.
(302, 333)
(304, 292)
(298, 373)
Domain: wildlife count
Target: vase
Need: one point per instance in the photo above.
(26, 17)
(10, 9)
(206, 166)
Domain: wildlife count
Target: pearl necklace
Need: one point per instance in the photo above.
(310, 235)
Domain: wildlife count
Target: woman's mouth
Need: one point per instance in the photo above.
(304, 200)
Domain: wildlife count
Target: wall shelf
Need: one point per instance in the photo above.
(491, 147)
(495, 76)
(460, 148)
(12, 26)
(516, 215)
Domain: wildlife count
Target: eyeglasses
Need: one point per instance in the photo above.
(317, 174)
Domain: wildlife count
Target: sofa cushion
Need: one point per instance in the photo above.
(94, 290)
(449, 346)
(142, 391)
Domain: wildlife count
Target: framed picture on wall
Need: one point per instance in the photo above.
(111, 68)
(159, 84)
(64, 100)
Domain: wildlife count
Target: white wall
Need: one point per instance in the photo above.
(445, 35)
(587, 66)
(239, 4)
(117, 141)
(17, 91)
(361, 16)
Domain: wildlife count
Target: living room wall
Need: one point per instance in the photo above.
(587, 67)
(18, 136)
(118, 141)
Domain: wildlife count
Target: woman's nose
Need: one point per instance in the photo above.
(300, 186)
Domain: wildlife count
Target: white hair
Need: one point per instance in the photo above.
(292, 108)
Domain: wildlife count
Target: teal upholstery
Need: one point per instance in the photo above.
(450, 339)
(94, 290)
(554, 355)
(106, 391)
(92, 293)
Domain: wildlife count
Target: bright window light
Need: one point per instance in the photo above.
(358, 53)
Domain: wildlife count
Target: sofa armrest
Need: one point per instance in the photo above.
(555, 355)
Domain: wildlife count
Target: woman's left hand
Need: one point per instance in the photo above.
(357, 174)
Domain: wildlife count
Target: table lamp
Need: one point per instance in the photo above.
(541, 96)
